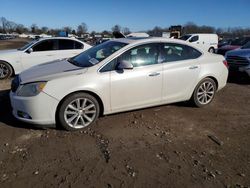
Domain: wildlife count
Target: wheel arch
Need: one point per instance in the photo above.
(13, 70)
(97, 97)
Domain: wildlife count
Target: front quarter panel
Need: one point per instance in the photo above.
(90, 82)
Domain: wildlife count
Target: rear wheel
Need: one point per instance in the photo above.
(78, 111)
(5, 70)
(211, 50)
(204, 92)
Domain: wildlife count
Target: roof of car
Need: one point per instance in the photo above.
(45, 38)
(131, 40)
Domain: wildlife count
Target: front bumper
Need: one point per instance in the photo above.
(40, 109)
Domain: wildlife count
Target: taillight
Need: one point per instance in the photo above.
(225, 63)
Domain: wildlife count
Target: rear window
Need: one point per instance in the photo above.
(66, 44)
(178, 52)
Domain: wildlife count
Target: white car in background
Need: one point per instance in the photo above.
(208, 42)
(116, 76)
(37, 52)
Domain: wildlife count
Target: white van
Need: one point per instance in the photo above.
(207, 42)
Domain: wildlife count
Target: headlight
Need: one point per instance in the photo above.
(31, 89)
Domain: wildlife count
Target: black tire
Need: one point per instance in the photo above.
(5, 70)
(211, 50)
(64, 109)
(196, 98)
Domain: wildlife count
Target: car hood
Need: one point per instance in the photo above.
(49, 71)
(229, 47)
(239, 52)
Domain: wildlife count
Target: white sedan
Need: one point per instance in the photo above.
(116, 76)
(37, 52)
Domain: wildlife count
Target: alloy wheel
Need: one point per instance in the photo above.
(80, 113)
(205, 92)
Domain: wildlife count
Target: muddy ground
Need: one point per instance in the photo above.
(166, 146)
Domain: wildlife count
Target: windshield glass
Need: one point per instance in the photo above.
(246, 46)
(27, 45)
(96, 54)
(185, 37)
(240, 41)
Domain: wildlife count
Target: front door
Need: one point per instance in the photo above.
(44, 51)
(140, 86)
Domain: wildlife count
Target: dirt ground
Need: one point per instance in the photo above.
(167, 146)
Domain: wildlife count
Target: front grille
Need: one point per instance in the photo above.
(15, 84)
(237, 61)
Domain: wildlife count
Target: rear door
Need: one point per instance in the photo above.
(180, 71)
(69, 48)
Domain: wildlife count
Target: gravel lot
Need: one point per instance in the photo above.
(166, 146)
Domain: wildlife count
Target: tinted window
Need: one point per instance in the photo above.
(66, 44)
(78, 45)
(185, 37)
(141, 55)
(194, 38)
(45, 45)
(177, 52)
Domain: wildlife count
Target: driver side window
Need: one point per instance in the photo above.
(194, 38)
(141, 56)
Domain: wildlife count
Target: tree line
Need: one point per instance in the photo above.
(7, 26)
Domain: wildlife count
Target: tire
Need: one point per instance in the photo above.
(211, 50)
(204, 92)
(5, 70)
(78, 111)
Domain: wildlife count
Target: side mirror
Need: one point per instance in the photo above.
(29, 50)
(124, 65)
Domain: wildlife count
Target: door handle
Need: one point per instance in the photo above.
(154, 74)
(193, 67)
(49, 55)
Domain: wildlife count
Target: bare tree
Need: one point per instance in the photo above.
(82, 28)
(125, 30)
(34, 28)
(116, 28)
(45, 29)
(67, 29)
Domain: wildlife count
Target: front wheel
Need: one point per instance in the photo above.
(78, 111)
(5, 70)
(204, 92)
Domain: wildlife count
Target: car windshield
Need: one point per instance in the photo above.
(27, 45)
(240, 41)
(246, 46)
(96, 54)
(185, 37)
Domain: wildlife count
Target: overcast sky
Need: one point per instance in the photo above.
(136, 15)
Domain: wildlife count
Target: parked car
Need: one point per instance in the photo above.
(208, 42)
(239, 59)
(38, 51)
(237, 43)
(224, 42)
(116, 76)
